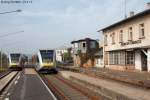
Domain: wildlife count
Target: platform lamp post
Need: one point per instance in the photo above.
(6, 35)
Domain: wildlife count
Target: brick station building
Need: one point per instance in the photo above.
(127, 43)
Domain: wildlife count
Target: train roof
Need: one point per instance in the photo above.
(14, 53)
(46, 49)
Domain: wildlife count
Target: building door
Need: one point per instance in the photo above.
(144, 61)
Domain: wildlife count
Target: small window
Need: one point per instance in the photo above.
(130, 58)
(97, 62)
(122, 58)
(142, 31)
(83, 45)
(130, 34)
(105, 40)
(111, 58)
(92, 44)
(113, 38)
(121, 36)
(116, 58)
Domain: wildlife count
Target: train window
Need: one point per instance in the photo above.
(15, 58)
(37, 60)
(47, 55)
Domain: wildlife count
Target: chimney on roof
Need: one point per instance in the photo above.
(131, 13)
(148, 5)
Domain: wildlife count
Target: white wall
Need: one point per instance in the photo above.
(59, 58)
(100, 63)
(58, 54)
(138, 63)
(148, 59)
(135, 25)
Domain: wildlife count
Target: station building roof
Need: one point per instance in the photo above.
(81, 40)
(143, 13)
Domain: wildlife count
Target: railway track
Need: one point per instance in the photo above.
(67, 90)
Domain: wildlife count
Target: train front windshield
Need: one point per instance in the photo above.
(15, 58)
(47, 56)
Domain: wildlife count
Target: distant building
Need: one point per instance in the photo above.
(84, 52)
(127, 43)
(59, 53)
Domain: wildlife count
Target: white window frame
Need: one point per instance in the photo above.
(83, 43)
(113, 37)
(105, 40)
(121, 36)
(130, 34)
(141, 30)
(130, 58)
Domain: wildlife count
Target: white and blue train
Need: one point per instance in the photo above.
(15, 61)
(45, 61)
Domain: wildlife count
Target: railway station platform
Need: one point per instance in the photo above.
(29, 86)
(141, 79)
(6, 80)
(112, 89)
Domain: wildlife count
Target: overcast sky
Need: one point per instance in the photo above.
(53, 23)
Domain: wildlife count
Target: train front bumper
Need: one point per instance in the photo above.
(48, 65)
(14, 64)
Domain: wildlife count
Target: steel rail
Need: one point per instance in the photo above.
(85, 93)
(55, 89)
(59, 85)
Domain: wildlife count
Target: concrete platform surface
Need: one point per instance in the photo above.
(29, 71)
(129, 91)
(6, 79)
(29, 86)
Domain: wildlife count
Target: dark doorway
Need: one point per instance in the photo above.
(144, 61)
